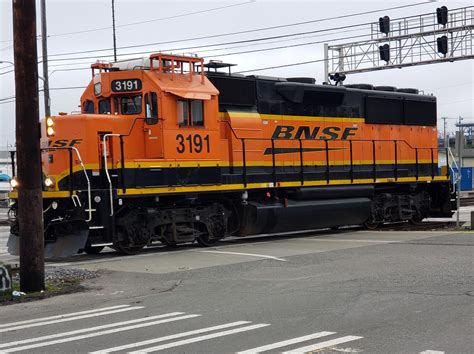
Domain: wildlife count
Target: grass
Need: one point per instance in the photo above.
(53, 288)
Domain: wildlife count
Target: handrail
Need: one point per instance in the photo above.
(89, 194)
(122, 159)
(456, 175)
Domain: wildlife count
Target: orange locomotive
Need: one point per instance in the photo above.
(164, 151)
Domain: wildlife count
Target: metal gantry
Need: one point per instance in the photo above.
(412, 41)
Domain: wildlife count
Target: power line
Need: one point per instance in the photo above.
(155, 20)
(146, 21)
(237, 42)
(252, 30)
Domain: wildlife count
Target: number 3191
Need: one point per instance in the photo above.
(192, 143)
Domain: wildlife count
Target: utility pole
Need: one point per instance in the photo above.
(444, 132)
(44, 48)
(460, 160)
(30, 202)
(113, 28)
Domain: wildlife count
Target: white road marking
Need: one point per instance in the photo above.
(96, 334)
(62, 316)
(329, 343)
(37, 324)
(200, 338)
(286, 342)
(246, 254)
(170, 337)
(431, 352)
(349, 240)
(85, 330)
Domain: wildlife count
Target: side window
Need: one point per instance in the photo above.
(131, 105)
(89, 106)
(151, 105)
(197, 115)
(190, 113)
(104, 106)
(183, 113)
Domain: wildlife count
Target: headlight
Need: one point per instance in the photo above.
(49, 182)
(14, 182)
(49, 131)
(49, 122)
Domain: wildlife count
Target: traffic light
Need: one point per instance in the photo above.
(384, 24)
(385, 52)
(442, 45)
(442, 15)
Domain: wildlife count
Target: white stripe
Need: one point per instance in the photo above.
(201, 338)
(329, 343)
(286, 342)
(84, 330)
(62, 316)
(173, 336)
(431, 352)
(349, 240)
(247, 254)
(96, 334)
(37, 324)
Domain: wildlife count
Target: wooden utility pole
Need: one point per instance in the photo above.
(44, 48)
(30, 202)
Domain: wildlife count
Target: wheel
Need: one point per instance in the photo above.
(92, 249)
(204, 239)
(127, 249)
(416, 220)
(371, 225)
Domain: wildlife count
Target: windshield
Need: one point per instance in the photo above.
(131, 105)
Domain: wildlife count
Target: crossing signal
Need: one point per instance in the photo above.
(442, 15)
(385, 52)
(442, 45)
(384, 24)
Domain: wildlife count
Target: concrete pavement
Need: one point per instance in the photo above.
(374, 292)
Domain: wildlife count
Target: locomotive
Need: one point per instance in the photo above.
(173, 150)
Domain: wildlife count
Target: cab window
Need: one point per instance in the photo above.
(151, 105)
(89, 106)
(190, 113)
(131, 105)
(104, 106)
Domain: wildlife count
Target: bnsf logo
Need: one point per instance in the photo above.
(306, 132)
(64, 143)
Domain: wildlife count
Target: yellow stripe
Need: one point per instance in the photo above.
(55, 194)
(288, 117)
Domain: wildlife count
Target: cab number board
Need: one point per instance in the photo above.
(126, 85)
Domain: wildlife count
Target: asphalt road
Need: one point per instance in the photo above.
(355, 291)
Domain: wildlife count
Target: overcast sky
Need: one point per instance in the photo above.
(452, 83)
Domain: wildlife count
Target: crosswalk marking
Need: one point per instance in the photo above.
(322, 345)
(200, 338)
(62, 316)
(66, 319)
(286, 342)
(89, 329)
(170, 337)
(97, 334)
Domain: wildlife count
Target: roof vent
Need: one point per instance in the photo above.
(386, 88)
(304, 80)
(409, 90)
(360, 86)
